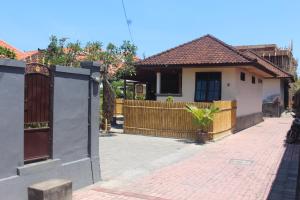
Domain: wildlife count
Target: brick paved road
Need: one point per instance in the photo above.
(242, 166)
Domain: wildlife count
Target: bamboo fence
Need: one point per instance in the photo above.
(164, 119)
(119, 107)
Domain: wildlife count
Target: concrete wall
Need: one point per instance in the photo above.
(11, 116)
(70, 113)
(188, 83)
(273, 87)
(248, 95)
(75, 129)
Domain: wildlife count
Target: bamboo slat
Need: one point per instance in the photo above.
(157, 118)
(119, 107)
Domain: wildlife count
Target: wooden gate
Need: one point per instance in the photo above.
(38, 113)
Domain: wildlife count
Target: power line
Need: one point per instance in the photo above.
(128, 22)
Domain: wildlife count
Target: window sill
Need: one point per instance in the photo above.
(169, 94)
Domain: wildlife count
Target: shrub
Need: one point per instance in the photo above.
(203, 117)
(7, 53)
(170, 99)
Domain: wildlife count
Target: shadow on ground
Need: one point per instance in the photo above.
(286, 182)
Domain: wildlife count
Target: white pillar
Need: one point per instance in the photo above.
(158, 78)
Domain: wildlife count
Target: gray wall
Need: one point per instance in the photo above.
(70, 113)
(75, 129)
(11, 116)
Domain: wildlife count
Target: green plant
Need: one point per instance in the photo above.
(203, 117)
(7, 53)
(169, 99)
(140, 97)
(117, 87)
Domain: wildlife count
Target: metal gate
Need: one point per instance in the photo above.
(38, 113)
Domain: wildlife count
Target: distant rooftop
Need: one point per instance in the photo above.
(20, 55)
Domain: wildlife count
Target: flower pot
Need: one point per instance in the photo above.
(202, 136)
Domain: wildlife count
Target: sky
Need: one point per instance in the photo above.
(156, 25)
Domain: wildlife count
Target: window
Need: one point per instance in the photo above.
(170, 82)
(208, 86)
(243, 76)
(260, 81)
(253, 79)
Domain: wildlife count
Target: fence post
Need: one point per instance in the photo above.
(233, 115)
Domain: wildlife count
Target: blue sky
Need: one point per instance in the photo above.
(156, 24)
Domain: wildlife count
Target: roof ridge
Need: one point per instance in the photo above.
(168, 50)
(10, 46)
(197, 39)
(269, 62)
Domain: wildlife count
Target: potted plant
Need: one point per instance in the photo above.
(203, 117)
(169, 99)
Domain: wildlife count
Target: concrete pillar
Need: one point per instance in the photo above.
(94, 107)
(158, 82)
(56, 189)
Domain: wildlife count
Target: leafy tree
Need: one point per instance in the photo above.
(93, 51)
(7, 53)
(117, 85)
(59, 52)
(128, 55)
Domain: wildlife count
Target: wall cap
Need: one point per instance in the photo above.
(71, 70)
(12, 63)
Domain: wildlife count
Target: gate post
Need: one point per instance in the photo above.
(94, 108)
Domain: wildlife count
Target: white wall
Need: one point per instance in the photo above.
(273, 87)
(248, 95)
(188, 83)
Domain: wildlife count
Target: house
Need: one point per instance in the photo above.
(283, 59)
(20, 55)
(207, 69)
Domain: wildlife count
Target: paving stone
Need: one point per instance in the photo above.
(220, 170)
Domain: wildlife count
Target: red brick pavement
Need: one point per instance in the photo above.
(241, 166)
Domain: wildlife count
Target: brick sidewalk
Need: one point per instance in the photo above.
(242, 166)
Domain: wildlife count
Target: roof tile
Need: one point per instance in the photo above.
(204, 50)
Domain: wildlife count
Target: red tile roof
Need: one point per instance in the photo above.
(267, 64)
(19, 53)
(202, 51)
(209, 50)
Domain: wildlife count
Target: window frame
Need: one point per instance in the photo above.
(179, 84)
(243, 76)
(253, 80)
(197, 74)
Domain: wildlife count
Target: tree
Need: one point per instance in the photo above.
(7, 53)
(108, 58)
(93, 51)
(112, 58)
(59, 52)
(128, 55)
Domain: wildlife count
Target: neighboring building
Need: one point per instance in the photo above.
(282, 58)
(207, 69)
(20, 55)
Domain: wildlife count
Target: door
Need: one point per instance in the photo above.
(37, 116)
(208, 86)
